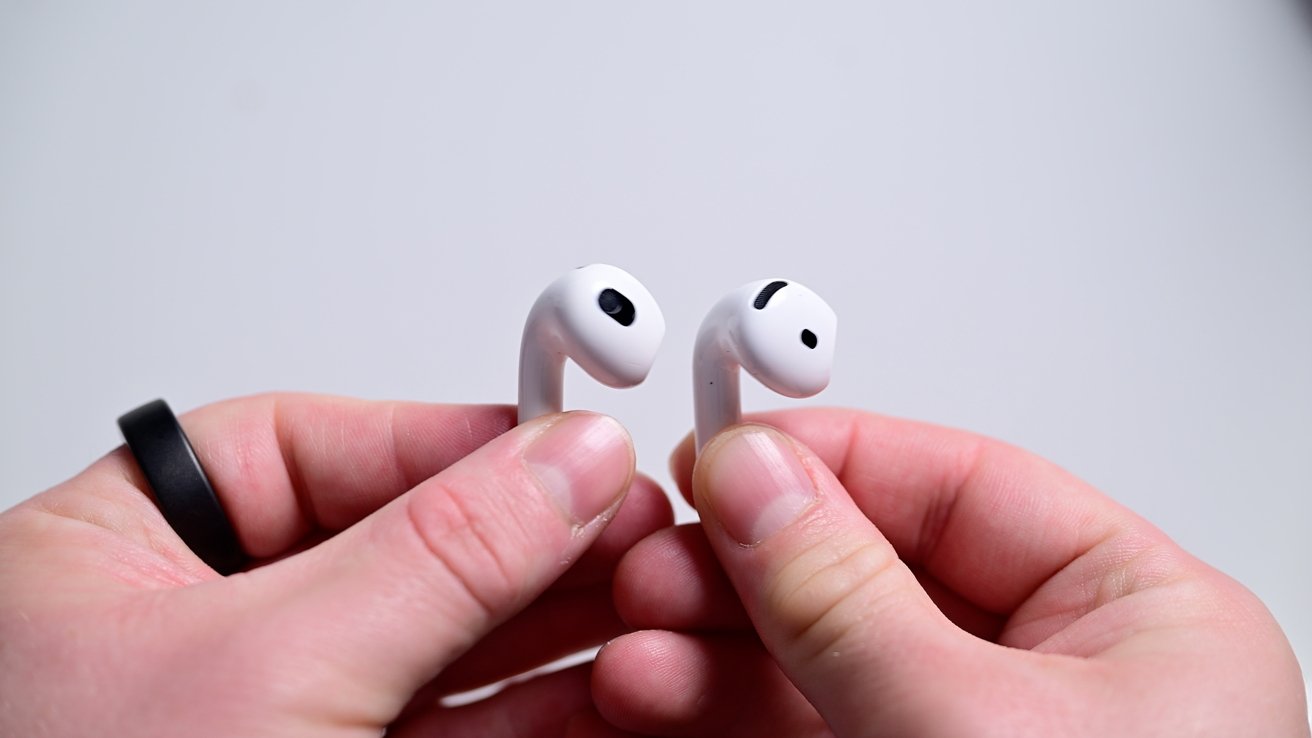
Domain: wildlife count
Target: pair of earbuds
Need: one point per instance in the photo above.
(606, 321)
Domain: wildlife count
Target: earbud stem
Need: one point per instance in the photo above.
(541, 375)
(716, 401)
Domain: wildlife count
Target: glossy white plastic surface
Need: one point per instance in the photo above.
(767, 342)
(568, 321)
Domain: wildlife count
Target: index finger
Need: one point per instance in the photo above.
(988, 520)
(287, 464)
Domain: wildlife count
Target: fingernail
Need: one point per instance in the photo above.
(756, 484)
(584, 462)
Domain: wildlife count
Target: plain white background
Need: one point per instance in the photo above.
(1085, 229)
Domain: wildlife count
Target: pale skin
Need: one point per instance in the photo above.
(923, 581)
(403, 552)
(902, 580)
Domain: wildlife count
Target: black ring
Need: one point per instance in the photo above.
(182, 490)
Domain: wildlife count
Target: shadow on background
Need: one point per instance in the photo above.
(1305, 10)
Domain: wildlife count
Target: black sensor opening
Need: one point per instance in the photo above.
(617, 306)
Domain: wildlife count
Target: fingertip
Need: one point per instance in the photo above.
(584, 461)
(641, 681)
(753, 480)
(651, 506)
(672, 580)
(665, 683)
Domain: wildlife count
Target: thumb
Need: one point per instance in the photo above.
(391, 601)
(845, 619)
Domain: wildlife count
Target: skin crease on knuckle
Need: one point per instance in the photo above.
(822, 596)
(463, 541)
(1216, 665)
(1135, 576)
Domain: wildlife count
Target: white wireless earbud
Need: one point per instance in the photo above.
(779, 331)
(599, 316)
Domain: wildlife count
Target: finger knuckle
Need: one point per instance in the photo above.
(829, 592)
(460, 540)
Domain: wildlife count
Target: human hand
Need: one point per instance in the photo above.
(402, 552)
(913, 580)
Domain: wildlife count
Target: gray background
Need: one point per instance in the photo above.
(1083, 228)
